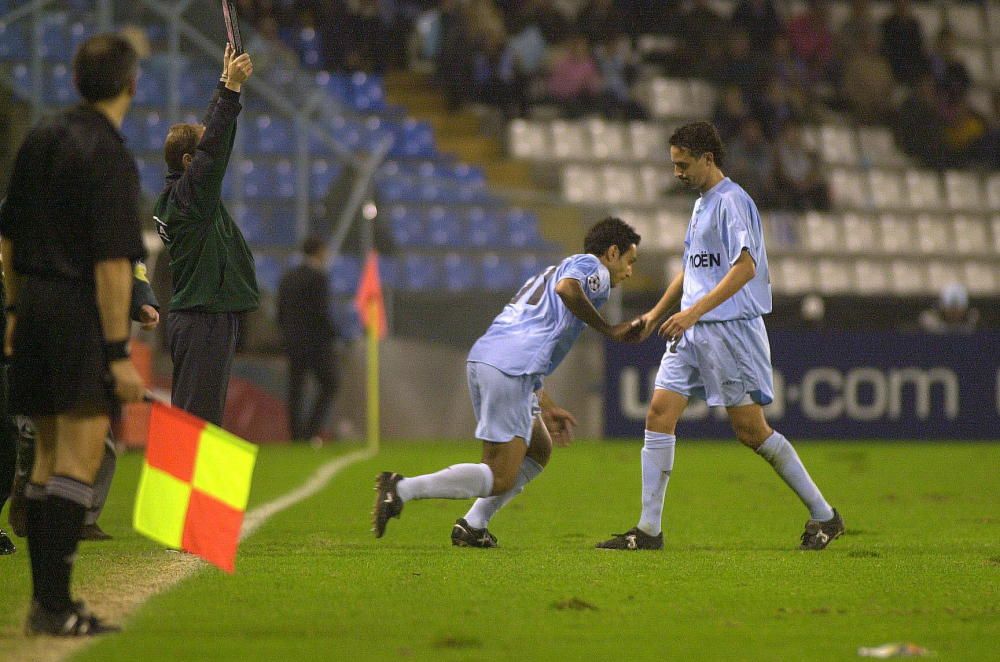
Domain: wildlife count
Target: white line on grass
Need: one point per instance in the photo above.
(143, 584)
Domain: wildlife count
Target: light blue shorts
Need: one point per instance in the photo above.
(505, 405)
(724, 363)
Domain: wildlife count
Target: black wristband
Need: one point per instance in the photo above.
(10, 308)
(116, 351)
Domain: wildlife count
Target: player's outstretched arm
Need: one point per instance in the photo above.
(571, 292)
(739, 274)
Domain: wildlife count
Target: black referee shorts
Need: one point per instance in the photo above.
(58, 364)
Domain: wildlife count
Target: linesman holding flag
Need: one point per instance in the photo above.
(70, 233)
(211, 265)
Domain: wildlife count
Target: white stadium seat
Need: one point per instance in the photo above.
(824, 233)
(672, 229)
(794, 276)
(607, 140)
(996, 233)
(971, 235)
(621, 185)
(838, 145)
(923, 188)
(848, 188)
(648, 141)
(669, 97)
(966, 21)
(934, 234)
(963, 190)
(929, 15)
(643, 222)
(993, 11)
(569, 140)
(871, 276)
(982, 277)
(993, 191)
(654, 182)
(860, 234)
(908, 277)
(580, 183)
(887, 189)
(834, 277)
(703, 98)
(976, 60)
(940, 273)
(878, 146)
(897, 234)
(528, 140)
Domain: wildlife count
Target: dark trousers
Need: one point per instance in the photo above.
(202, 346)
(8, 442)
(320, 363)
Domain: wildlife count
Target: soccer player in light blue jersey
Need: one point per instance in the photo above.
(516, 419)
(717, 344)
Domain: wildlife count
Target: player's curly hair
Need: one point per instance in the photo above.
(610, 232)
(699, 138)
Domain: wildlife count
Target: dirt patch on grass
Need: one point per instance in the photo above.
(451, 641)
(575, 604)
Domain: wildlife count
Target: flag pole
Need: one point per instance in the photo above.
(373, 385)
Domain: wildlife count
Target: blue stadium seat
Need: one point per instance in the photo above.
(529, 266)
(334, 84)
(365, 92)
(151, 89)
(197, 84)
(59, 89)
(421, 272)
(13, 44)
(522, 228)
(444, 227)
(415, 139)
(152, 176)
(79, 31)
(499, 273)
(55, 37)
(284, 179)
(388, 271)
(132, 129)
(23, 84)
(258, 179)
(323, 174)
(154, 133)
(269, 269)
(272, 135)
(345, 272)
(407, 226)
(250, 217)
(308, 46)
(461, 272)
(485, 228)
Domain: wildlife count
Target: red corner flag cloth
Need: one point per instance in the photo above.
(369, 292)
(194, 486)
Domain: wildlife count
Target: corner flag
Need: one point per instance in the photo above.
(369, 293)
(194, 486)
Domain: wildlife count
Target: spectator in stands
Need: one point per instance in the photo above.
(858, 24)
(903, 43)
(618, 65)
(368, 28)
(600, 21)
(867, 84)
(778, 105)
(790, 70)
(760, 20)
(272, 56)
(521, 62)
(965, 133)
(751, 163)
(949, 71)
(574, 81)
(308, 334)
(730, 112)
(952, 313)
(455, 58)
(920, 125)
(743, 66)
(798, 175)
(703, 37)
(812, 40)
(555, 24)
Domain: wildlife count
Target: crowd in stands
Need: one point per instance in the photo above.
(775, 72)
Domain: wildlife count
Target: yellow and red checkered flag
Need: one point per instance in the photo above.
(194, 486)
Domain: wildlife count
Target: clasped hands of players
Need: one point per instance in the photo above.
(236, 69)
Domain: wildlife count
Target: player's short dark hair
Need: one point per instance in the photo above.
(181, 139)
(313, 246)
(104, 66)
(610, 232)
(699, 138)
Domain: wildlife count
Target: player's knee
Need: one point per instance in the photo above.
(660, 419)
(503, 481)
(750, 435)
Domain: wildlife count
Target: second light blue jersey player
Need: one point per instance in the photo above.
(535, 330)
(724, 223)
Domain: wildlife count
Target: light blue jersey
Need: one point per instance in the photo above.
(724, 222)
(535, 330)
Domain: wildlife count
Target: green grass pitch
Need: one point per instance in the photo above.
(920, 562)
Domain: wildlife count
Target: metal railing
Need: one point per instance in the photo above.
(301, 111)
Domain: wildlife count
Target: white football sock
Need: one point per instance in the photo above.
(459, 481)
(780, 454)
(484, 509)
(657, 463)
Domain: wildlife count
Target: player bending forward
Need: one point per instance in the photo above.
(515, 417)
(719, 349)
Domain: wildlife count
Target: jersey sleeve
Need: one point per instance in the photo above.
(592, 275)
(736, 229)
